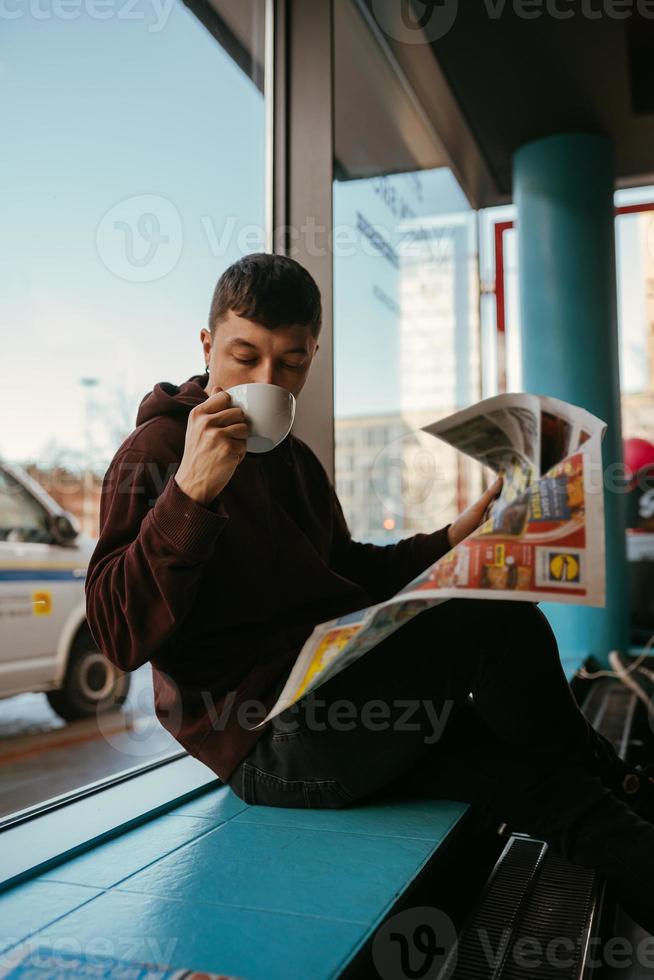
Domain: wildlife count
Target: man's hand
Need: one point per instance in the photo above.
(474, 515)
(215, 442)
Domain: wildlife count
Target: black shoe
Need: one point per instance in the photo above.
(619, 844)
(587, 824)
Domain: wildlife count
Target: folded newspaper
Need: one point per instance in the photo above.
(543, 538)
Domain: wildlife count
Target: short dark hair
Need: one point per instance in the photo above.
(272, 290)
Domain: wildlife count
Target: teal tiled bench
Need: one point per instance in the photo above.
(258, 892)
(214, 884)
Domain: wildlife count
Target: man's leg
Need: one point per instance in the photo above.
(386, 713)
(384, 719)
(523, 696)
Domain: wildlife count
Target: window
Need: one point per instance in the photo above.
(634, 235)
(635, 263)
(406, 348)
(500, 314)
(21, 517)
(133, 173)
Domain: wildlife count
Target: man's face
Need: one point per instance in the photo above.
(243, 352)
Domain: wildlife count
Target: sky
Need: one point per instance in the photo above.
(132, 140)
(131, 176)
(110, 123)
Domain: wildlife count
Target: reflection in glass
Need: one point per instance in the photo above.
(406, 349)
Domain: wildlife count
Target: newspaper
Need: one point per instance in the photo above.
(42, 962)
(542, 539)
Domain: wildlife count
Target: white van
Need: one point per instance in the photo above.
(45, 642)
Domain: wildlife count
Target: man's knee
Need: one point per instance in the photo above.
(517, 618)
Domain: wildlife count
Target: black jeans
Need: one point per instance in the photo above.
(467, 701)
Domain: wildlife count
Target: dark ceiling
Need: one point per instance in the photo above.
(517, 79)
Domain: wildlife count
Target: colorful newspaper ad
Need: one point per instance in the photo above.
(543, 538)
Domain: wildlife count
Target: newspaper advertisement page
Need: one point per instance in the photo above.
(503, 433)
(334, 645)
(543, 538)
(546, 544)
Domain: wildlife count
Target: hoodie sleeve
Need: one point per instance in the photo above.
(382, 569)
(143, 575)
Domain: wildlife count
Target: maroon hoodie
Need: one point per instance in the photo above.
(220, 598)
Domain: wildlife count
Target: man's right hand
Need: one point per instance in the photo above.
(215, 444)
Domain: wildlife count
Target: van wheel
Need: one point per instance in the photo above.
(92, 684)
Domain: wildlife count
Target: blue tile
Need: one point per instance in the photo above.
(426, 819)
(300, 871)
(109, 862)
(255, 945)
(33, 904)
(218, 805)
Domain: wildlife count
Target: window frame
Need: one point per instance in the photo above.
(499, 286)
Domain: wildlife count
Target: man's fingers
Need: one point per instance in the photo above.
(217, 400)
(227, 416)
(488, 497)
(494, 488)
(237, 431)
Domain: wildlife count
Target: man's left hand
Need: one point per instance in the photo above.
(474, 515)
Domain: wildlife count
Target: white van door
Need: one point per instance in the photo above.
(40, 582)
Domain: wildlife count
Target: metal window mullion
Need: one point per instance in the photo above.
(303, 178)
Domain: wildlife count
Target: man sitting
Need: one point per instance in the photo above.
(215, 565)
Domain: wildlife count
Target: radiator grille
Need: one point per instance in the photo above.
(534, 897)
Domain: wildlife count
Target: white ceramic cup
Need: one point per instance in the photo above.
(269, 411)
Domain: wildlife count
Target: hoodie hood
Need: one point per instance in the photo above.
(172, 400)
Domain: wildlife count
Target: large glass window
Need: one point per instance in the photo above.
(132, 174)
(635, 261)
(634, 236)
(406, 348)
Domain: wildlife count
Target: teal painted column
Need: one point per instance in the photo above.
(563, 190)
